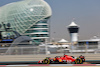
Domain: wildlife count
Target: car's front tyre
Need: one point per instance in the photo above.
(46, 61)
(78, 61)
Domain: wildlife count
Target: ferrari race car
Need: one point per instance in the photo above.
(63, 59)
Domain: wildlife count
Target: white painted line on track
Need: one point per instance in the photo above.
(84, 64)
(39, 65)
(51, 65)
(61, 64)
(97, 64)
(17, 65)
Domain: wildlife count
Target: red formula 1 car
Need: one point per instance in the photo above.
(63, 59)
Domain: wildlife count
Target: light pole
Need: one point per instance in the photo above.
(71, 46)
(46, 47)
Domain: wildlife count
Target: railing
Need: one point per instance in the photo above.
(33, 50)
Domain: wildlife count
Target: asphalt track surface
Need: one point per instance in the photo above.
(58, 66)
(54, 65)
(11, 58)
(20, 58)
(65, 66)
(36, 62)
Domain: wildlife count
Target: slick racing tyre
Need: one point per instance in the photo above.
(46, 61)
(72, 56)
(78, 61)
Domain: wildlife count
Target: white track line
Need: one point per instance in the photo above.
(61, 64)
(51, 65)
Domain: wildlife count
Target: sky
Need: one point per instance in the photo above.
(85, 12)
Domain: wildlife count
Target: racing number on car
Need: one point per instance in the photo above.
(69, 61)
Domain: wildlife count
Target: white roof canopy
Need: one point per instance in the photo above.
(63, 41)
(73, 24)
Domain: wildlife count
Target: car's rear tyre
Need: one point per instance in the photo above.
(72, 56)
(78, 61)
(46, 61)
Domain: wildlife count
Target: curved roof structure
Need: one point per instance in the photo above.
(28, 17)
(24, 14)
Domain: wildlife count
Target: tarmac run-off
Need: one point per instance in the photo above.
(58, 66)
(8, 58)
(53, 65)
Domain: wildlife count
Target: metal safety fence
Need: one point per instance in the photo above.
(20, 50)
(29, 50)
